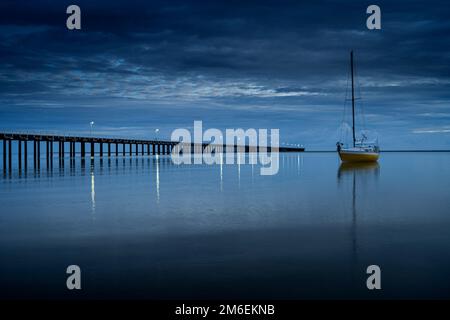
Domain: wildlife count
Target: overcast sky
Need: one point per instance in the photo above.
(140, 65)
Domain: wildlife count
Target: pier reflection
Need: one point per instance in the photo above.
(80, 166)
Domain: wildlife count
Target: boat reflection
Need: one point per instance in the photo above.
(359, 175)
(358, 169)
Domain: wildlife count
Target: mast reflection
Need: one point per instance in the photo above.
(358, 174)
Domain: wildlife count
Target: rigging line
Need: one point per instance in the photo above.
(346, 97)
(362, 115)
(345, 107)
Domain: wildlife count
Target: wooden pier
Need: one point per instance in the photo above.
(107, 147)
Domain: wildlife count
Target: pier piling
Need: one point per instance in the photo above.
(47, 152)
(4, 155)
(83, 149)
(38, 153)
(19, 151)
(9, 155)
(25, 154)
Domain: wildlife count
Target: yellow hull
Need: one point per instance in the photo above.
(352, 156)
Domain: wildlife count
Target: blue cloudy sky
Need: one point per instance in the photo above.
(140, 65)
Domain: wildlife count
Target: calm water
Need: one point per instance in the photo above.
(145, 228)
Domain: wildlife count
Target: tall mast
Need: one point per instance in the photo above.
(353, 99)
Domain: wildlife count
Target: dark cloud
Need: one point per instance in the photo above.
(232, 59)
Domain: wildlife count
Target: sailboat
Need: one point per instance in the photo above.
(361, 150)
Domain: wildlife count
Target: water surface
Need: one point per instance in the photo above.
(143, 227)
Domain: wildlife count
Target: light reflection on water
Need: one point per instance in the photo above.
(224, 231)
(93, 192)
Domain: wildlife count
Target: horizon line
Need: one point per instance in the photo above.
(381, 151)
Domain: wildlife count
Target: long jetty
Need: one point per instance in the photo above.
(108, 147)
